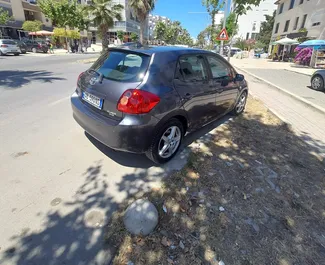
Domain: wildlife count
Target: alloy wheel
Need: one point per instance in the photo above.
(169, 142)
(317, 83)
(241, 103)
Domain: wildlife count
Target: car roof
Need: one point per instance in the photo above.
(149, 50)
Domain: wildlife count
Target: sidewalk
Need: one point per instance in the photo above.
(281, 77)
(269, 64)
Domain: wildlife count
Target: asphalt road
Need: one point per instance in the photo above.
(57, 185)
(295, 83)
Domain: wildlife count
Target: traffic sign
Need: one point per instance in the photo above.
(223, 35)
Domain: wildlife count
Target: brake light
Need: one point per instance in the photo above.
(39, 46)
(134, 101)
(4, 46)
(79, 78)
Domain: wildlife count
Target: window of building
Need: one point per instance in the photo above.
(301, 2)
(316, 24)
(304, 21)
(247, 36)
(277, 28)
(296, 23)
(254, 36)
(292, 3)
(286, 26)
(254, 26)
(281, 8)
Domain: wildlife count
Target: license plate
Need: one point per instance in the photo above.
(93, 100)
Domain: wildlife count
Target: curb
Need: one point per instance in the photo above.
(302, 100)
(297, 72)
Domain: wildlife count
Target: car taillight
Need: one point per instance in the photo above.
(79, 78)
(134, 101)
(4, 46)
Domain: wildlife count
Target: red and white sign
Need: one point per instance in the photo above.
(223, 35)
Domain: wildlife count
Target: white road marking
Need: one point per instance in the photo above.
(58, 101)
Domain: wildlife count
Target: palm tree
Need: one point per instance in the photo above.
(102, 13)
(142, 8)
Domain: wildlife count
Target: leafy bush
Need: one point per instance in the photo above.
(304, 56)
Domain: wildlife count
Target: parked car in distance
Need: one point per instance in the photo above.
(144, 100)
(36, 46)
(8, 47)
(234, 51)
(22, 46)
(317, 80)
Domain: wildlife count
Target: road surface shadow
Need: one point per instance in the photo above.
(140, 160)
(74, 229)
(14, 79)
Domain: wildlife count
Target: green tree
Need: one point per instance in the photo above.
(242, 6)
(134, 36)
(264, 37)
(60, 32)
(32, 26)
(142, 8)
(4, 16)
(212, 6)
(231, 26)
(120, 35)
(160, 31)
(201, 39)
(103, 13)
(184, 38)
(73, 34)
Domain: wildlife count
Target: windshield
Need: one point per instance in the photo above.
(122, 66)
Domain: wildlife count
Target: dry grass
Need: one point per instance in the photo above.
(270, 184)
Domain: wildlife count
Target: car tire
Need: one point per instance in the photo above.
(240, 104)
(158, 143)
(317, 83)
(1, 53)
(34, 50)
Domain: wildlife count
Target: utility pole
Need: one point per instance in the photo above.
(224, 24)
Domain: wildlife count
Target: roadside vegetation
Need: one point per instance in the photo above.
(251, 193)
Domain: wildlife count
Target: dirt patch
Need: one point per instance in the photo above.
(255, 195)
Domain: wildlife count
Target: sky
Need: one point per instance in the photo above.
(181, 10)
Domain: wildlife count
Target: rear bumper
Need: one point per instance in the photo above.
(9, 51)
(132, 134)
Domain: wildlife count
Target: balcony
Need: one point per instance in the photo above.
(31, 5)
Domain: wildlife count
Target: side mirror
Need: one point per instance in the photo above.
(239, 77)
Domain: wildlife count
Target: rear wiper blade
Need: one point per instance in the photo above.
(101, 76)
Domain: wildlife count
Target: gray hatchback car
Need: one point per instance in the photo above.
(144, 100)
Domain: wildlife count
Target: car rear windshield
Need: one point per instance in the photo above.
(123, 66)
(10, 42)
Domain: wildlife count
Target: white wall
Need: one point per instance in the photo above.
(255, 16)
(315, 10)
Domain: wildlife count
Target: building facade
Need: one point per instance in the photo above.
(128, 24)
(152, 21)
(249, 25)
(299, 18)
(21, 10)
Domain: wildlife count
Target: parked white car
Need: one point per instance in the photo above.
(9, 47)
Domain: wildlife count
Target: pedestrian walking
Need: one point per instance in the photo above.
(51, 48)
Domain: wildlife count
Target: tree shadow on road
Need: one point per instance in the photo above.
(14, 79)
(269, 181)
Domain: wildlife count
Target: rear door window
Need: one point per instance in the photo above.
(122, 66)
(192, 68)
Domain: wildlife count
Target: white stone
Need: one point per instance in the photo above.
(141, 217)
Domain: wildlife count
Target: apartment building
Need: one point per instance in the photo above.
(153, 20)
(299, 18)
(249, 25)
(128, 24)
(21, 10)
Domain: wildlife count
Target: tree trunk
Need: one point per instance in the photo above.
(105, 40)
(142, 26)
